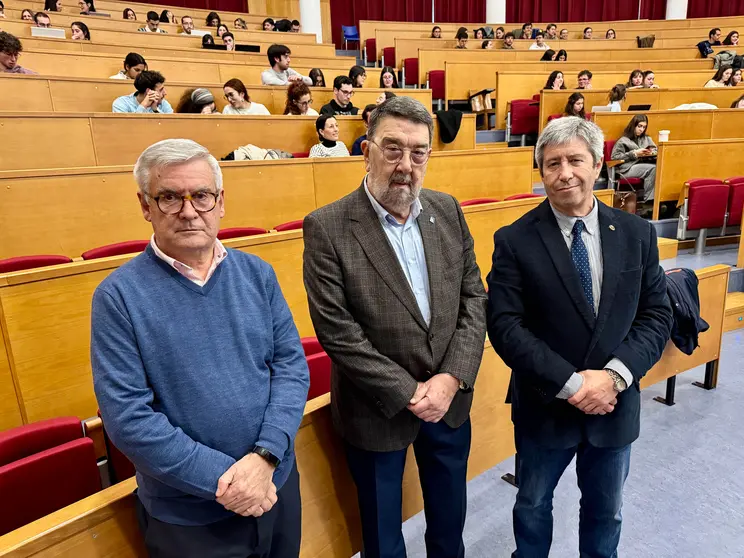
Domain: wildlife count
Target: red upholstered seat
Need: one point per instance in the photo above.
(635, 183)
(117, 249)
(554, 117)
(536, 97)
(236, 232)
(706, 205)
(734, 179)
(388, 56)
(301, 155)
(320, 375)
(22, 441)
(703, 182)
(522, 197)
(736, 202)
(30, 262)
(478, 201)
(411, 70)
(290, 226)
(311, 345)
(525, 117)
(436, 84)
(370, 49)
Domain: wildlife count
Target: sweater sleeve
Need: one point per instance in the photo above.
(290, 378)
(156, 447)
(269, 78)
(623, 150)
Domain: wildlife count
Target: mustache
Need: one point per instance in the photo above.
(401, 178)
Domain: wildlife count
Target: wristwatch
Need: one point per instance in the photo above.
(267, 455)
(617, 379)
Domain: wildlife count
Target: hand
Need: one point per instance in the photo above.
(436, 399)
(597, 395)
(246, 488)
(294, 78)
(152, 98)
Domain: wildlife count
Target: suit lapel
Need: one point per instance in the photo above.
(367, 229)
(612, 263)
(552, 237)
(433, 251)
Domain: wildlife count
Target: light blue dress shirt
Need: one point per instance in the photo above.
(408, 246)
(128, 103)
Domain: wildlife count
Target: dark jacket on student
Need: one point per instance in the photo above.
(334, 108)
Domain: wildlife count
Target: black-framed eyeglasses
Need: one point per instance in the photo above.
(171, 203)
(393, 154)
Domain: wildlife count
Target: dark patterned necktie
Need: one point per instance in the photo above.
(581, 260)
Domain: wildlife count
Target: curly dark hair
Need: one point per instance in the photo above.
(9, 44)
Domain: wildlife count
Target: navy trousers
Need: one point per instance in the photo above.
(275, 534)
(601, 475)
(442, 457)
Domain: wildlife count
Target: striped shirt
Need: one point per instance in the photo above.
(320, 150)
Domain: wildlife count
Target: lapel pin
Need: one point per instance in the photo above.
(431, 218)
(612, 227)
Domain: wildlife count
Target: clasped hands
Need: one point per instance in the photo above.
(432, 398)
(246, 488)
(597, 395)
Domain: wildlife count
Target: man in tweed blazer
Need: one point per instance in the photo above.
(397, 302)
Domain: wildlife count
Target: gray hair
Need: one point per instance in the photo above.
(401, 107)
(563, 130)
(172, 152)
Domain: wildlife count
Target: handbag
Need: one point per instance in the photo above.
(625, 201)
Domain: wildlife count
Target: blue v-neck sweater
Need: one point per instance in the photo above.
(189, 379)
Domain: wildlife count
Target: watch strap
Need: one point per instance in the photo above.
(267, 455)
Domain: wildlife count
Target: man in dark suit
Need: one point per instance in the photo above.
(578, 310)
(398, 304)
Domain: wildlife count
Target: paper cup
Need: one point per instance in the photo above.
(663, 135)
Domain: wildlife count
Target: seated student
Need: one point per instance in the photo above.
(357, 75)
(317, 78)
(539, 43)
(42, 20)
(584, 80)
(129, 14)
(562, 56)
(228, 39)
(240, 102)
(299, 100)
(86, 7)
(268, 24)
(283, 26)
(388, 78)
(564, 35)
(213, 19)
(635, 80)
(637, 149)
(436, 32)
(735, 78)
(588, 33)
(548, 56)
(197, 101)
(134, 65)
(479, 34)
(280, 73)
(2, 9)
(80, 31)
(721, 77)
(610, 34)
(166, 16)
(551, 32)
(52, 5)
(738, 103)
(499, 33)
(222, 29)
(525, 32)
(384, 96)
(616, 97)
(10, 51)
(149, 96)
(487, 44)
(508, 41)
(648, 80)
(153, 22)
(187, 25)
(555, 81)
(732, 39)
(296, 27)
(240, 23)
(27, 15)
(462, 39)
(714, 39)
(356, 149)
(207, 40)
(575, 106)
(329, 146)
(343, 90)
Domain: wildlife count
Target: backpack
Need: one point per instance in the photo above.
(723, 58)
(738, 62)
(646, 42)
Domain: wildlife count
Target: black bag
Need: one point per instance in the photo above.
(738, 62)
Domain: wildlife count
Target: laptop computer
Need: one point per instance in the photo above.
(48, 32)
(639, 107)
(601, 108)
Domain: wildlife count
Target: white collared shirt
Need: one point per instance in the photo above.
(220, 253)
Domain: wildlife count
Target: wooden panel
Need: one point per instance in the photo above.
(734, 318)
(722, 97)
(40, 144)
(667, 248)
(325, 21)
(32, 94)
(727, 124)
(712, 289)
(679, 161)
(334, 178)
(683, 124)
(10, 410)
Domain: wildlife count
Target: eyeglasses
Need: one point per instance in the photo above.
(394, 154)
(346, 93)
(304, 103)
(171, 203)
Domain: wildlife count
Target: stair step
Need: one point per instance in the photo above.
(734, 317)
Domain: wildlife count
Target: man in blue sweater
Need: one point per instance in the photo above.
(200, 374)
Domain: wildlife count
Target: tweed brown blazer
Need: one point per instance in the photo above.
(367, 320)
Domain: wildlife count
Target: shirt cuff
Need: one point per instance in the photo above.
(617, 365)
(573, 385)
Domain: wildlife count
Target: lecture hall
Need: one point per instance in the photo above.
(263, 289)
